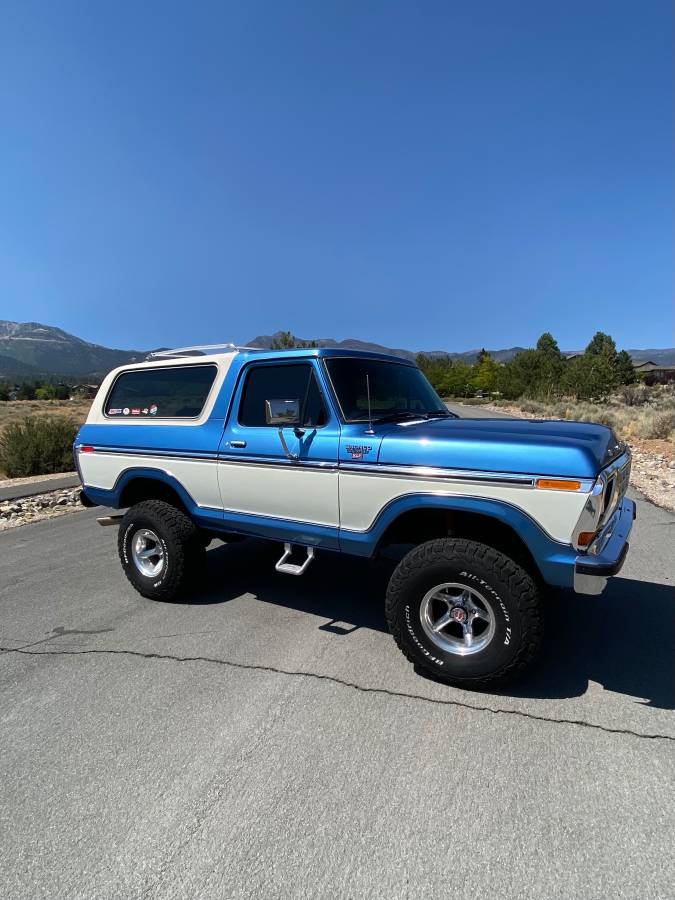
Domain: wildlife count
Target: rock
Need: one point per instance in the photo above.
(62, 501)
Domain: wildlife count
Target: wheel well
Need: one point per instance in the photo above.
(419, 525)
(139, 489)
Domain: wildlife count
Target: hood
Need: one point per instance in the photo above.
(531, 446)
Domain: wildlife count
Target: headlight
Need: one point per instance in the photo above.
(605, 496)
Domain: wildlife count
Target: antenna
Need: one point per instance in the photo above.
(369, 429)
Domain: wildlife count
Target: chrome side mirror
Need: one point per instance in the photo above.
(282, 412)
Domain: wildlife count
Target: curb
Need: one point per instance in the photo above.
(31, 488)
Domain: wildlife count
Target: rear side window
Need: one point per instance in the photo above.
(177, 392)
(288, 382)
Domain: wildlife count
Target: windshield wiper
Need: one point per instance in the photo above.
(403, 414)
(407, 414)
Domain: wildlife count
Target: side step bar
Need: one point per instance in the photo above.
(291, 568)
(110, 520)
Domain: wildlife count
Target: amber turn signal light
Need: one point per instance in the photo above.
(557, 484)
(585, 538)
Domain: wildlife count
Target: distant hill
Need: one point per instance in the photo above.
(266, 340)
(664, 356)
(15, 367)
(468, 356)
(29, 349)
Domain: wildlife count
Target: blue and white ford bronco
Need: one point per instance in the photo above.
(351, 452)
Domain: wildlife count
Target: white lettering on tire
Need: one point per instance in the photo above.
(424, 650)
(494, 593)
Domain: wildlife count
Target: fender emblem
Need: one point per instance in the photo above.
(357, 451)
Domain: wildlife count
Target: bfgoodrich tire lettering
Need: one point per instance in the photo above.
(490, 586)
(178, 540)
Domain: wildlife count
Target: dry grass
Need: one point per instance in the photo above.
(18, 410)
(652, 417)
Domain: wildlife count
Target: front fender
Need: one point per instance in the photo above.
(554, 559)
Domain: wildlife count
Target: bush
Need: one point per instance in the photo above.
(634, 394)
(657, 424)
(37, 447)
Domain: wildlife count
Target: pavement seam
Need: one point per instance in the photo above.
(581, 723)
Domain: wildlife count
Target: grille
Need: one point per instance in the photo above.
(615, 491)
(622, 480)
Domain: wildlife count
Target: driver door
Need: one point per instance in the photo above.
(258, 475)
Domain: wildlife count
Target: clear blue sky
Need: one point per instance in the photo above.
(422, 174)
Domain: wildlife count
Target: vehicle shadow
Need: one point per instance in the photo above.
(346, 590)
(623, 639)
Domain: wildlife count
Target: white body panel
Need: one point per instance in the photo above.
(198, 477)
(362, 496)
(312, 495)
(299, 493)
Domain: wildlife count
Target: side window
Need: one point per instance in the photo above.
(174, 392)
(289, 382)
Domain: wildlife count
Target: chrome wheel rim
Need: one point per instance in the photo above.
(457, 618)
(147, 553)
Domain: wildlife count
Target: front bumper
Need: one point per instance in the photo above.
(607, 553)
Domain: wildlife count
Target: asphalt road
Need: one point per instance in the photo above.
(269, 740)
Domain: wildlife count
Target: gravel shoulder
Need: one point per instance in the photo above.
(36, 508)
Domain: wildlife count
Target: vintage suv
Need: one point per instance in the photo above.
(351, 452)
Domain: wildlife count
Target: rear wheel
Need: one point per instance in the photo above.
(464, 613)
(161, 550)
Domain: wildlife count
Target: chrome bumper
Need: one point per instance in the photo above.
(607, 553)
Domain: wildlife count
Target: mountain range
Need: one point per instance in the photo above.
(30, 349)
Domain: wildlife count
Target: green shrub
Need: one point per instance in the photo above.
(37, 447)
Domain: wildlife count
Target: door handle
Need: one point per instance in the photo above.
(237, 444)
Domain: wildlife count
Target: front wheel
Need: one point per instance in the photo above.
(464, 613)
(161, 550)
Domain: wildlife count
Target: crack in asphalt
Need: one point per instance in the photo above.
(60, 631)
(210, 660)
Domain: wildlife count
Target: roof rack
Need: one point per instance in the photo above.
(199, 350)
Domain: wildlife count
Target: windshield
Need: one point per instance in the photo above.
(397, 391)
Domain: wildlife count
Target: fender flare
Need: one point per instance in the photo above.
(554, 559)
(112, 497)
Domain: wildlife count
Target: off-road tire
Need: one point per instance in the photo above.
(182, 542)
(512, 594)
